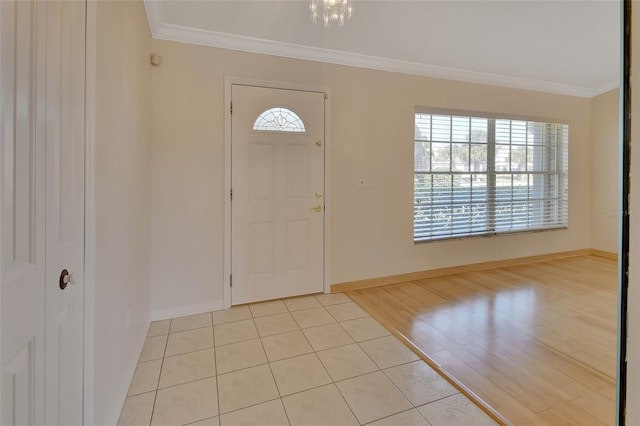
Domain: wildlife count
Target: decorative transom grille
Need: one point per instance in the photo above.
(279, 119)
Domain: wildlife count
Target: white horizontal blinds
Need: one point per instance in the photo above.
(450, 181)
(477, 176)
(531, 178)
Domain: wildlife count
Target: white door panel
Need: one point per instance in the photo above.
(65, 210)
(23, 214)
(277, 180)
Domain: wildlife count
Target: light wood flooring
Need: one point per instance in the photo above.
(536, 342)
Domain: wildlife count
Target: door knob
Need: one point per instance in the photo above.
(317, 208)
(66, 278)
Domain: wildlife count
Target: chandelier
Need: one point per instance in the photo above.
(331, 11)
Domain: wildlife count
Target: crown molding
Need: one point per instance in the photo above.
(155, 15)
(163, 31)
(606, 88)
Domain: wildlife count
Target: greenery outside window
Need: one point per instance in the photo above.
(476, 175)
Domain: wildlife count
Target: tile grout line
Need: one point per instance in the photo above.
(347, 403)
(314, 350)
(201, 420)
(398, 389)
(190, 329)
(273, 376)
(368, 357)
(395, 414)
(278, 398)
(391, 366)
(186, 383)
(190, 352)
(348, 319)
(215, 367)
(285, 410)
(190, 381)
(332, 379)
(155, 398)
(449, 396)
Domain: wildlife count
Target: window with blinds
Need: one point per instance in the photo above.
(484, 176)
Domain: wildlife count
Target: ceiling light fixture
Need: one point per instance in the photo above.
(331, 11)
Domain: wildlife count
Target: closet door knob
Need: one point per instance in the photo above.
(66, 278)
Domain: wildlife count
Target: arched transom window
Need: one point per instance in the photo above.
(279, 119)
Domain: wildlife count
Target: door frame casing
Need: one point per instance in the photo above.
(90, 237)
(229, 81)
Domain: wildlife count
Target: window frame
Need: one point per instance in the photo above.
(491, 173)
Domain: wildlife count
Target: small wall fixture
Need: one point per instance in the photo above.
(331, 11)
(156, 59)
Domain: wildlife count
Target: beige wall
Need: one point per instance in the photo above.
(122, 201)
(372, 133)
(605, 170)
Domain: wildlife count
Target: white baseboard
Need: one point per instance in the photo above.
(121, 396)
(183, 311)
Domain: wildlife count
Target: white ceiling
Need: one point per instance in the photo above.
(560, 46)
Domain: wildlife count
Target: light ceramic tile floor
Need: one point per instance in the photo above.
(314, 360)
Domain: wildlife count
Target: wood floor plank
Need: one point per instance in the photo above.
(596, 405)
(561, 362)
(608, 392)
(566, 414)
(497, 397)
(542, 377)
(537, 342)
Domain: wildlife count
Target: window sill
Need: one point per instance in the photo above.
(489, 235)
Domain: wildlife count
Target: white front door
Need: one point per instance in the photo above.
(42, 229)
(277, 152)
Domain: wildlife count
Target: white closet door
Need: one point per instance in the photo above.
(65, 211)
(42, 214)
(22, 79)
